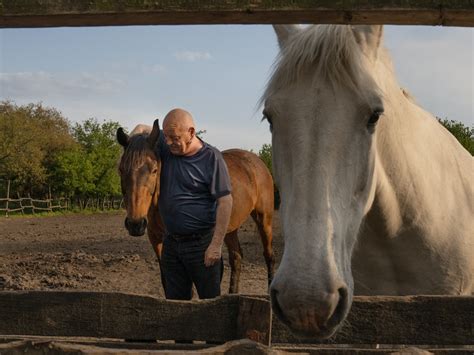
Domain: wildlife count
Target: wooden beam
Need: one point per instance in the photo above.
(412, 320)
(55, 346)
(57, 13)
(134, 317)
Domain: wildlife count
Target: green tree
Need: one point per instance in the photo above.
(73, 173)
(463, 134)
(90, 169)
(31, 136)
(265, 153)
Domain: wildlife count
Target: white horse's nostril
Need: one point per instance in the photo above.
(341, 309)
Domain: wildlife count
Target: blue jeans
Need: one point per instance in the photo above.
(183, 265)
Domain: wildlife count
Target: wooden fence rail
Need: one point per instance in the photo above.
(414, 320)
(444, 322)
(56, 13)
(118, 315)
(9, 205)
(30, 205)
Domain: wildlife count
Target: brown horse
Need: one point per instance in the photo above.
(252, 193)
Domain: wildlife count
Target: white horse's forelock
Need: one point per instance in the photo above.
(323, 51)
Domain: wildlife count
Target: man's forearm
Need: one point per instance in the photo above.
(224, 210)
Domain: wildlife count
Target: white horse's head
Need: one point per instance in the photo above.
(323, 105)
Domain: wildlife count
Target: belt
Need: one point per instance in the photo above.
(190, 237)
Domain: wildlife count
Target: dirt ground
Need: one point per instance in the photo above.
(95, 253)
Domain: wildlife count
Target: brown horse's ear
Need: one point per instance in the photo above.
(122, 137)
(155, 133)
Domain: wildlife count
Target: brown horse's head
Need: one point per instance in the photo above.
(139, 171)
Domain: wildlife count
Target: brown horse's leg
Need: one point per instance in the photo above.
(235, 259)
(264, 224)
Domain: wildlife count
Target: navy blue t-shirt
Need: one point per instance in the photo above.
(190, 187)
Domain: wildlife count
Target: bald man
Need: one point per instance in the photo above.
(195, 205)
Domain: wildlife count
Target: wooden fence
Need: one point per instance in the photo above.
(50, 13)
(26, 205)
(52, 321)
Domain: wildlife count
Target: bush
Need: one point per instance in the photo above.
(463, 134)
(265, 154)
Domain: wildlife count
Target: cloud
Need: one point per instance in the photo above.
(44, 84)
(154, 69)
(190, 56)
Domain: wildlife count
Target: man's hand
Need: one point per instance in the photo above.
(213, 254)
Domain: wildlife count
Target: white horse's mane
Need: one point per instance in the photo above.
(322, 51)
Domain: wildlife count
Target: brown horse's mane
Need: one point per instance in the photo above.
(135, 154)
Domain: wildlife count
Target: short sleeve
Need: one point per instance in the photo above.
(220, 184)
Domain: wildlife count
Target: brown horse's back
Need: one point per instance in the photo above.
(252, 186)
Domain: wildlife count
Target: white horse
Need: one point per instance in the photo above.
(371, 184)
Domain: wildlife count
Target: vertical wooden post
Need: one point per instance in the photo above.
(21, 202)
(32, 204)
(50, 204)
(8, 197)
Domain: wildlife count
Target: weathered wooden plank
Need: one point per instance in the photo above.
(126, 316)
(56, 13)
(393, 350)
(118, 345)
(243, 346)
(413, 320)
(61, 346)
(384, 320)
(254, 321)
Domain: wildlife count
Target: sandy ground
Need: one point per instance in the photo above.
(95, 253)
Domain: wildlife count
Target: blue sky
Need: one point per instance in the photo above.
(136, 74)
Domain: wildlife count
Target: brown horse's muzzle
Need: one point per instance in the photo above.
(136, 228)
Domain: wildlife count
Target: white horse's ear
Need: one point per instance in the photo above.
(284, 32)
(369, 39)
(155, 133)
(122, 137)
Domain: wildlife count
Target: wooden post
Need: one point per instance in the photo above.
(50, 202)
(8, 197)
(32, 204)
(21, 202)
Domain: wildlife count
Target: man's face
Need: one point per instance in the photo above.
(178, 138)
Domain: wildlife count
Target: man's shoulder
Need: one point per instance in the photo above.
(211, 149)
(212, 153)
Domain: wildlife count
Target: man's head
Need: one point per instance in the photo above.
(179, 131)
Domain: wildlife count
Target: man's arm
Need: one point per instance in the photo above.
(224, 209)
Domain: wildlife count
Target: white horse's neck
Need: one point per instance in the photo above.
(419, 231)
(423, 173)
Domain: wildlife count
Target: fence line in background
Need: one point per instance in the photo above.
(9, 205)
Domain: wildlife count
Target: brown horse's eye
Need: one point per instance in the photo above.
(154, 171)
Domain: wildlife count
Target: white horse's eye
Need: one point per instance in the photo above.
(267, 117)
(374, 117)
